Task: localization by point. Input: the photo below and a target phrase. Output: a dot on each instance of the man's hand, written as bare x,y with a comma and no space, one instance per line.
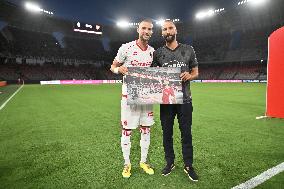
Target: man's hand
186,76
123,70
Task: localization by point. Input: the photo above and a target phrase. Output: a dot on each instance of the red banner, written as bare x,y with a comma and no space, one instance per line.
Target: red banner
275,82
3,83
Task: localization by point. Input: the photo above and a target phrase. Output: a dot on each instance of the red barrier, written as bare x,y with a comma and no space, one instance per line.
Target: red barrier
3,83
275,77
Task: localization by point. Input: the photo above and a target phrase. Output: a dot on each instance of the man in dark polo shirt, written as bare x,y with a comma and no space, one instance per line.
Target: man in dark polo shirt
175,54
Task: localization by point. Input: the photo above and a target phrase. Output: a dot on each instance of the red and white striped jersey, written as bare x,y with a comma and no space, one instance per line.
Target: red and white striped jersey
132,55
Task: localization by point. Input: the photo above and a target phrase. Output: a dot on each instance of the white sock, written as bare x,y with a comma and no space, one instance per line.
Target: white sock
126,145
144,143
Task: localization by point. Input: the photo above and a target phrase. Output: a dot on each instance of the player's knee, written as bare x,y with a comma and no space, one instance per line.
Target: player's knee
145,130
125,138
126,132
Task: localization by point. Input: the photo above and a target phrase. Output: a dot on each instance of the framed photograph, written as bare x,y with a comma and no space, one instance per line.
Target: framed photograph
154,85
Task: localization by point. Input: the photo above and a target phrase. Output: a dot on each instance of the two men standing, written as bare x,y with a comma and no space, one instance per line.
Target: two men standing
173,54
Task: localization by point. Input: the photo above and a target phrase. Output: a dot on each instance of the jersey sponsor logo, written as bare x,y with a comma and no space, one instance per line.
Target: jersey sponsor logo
174,64
140,64
134,53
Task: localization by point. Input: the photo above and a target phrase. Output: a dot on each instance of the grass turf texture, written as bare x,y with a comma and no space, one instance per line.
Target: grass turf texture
6,92
69,137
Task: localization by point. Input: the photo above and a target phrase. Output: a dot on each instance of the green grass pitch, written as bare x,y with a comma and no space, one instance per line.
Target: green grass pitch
69,137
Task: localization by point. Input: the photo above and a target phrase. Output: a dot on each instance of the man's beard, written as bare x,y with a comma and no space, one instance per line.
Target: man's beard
143,39
169,38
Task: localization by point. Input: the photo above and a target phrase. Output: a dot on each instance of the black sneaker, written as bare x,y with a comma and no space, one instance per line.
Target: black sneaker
168,169
191,173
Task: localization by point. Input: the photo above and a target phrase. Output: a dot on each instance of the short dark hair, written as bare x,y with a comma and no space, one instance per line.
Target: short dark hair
170,21
146,20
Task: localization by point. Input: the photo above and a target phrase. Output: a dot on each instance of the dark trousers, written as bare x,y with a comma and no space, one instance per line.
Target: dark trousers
184,115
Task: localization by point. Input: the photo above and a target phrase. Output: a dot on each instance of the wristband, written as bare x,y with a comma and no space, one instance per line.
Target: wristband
115,70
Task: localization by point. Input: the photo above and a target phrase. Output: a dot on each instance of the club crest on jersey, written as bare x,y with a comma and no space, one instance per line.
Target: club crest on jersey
151,54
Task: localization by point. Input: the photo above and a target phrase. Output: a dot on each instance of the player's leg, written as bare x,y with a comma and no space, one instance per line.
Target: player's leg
167,116
129,121
125,147
126,144
144,142
185,122
146,120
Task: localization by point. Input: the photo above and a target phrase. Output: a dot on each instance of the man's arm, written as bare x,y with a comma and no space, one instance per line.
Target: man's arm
117,68
193,72
120,58
155,62
186,76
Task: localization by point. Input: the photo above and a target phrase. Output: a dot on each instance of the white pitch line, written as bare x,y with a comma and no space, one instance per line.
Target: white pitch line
261,117
3,105
261,178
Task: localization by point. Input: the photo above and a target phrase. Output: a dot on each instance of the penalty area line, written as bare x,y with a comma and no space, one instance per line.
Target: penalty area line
4,104
255,181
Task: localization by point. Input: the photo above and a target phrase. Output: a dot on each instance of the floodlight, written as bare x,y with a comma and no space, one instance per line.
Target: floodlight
160,22
203,14
33,7
122,24
256,2
36,8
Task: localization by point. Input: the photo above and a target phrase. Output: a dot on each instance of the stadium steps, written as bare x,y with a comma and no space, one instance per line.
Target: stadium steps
218,74
235,75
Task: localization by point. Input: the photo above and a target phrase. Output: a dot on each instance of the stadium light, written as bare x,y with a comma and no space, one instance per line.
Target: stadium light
123,24
204,14
208,13
257,2
134,24
176,20
36,8
33,7
160,22
252,2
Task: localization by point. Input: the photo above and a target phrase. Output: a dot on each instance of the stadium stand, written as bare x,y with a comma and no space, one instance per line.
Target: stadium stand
229,46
